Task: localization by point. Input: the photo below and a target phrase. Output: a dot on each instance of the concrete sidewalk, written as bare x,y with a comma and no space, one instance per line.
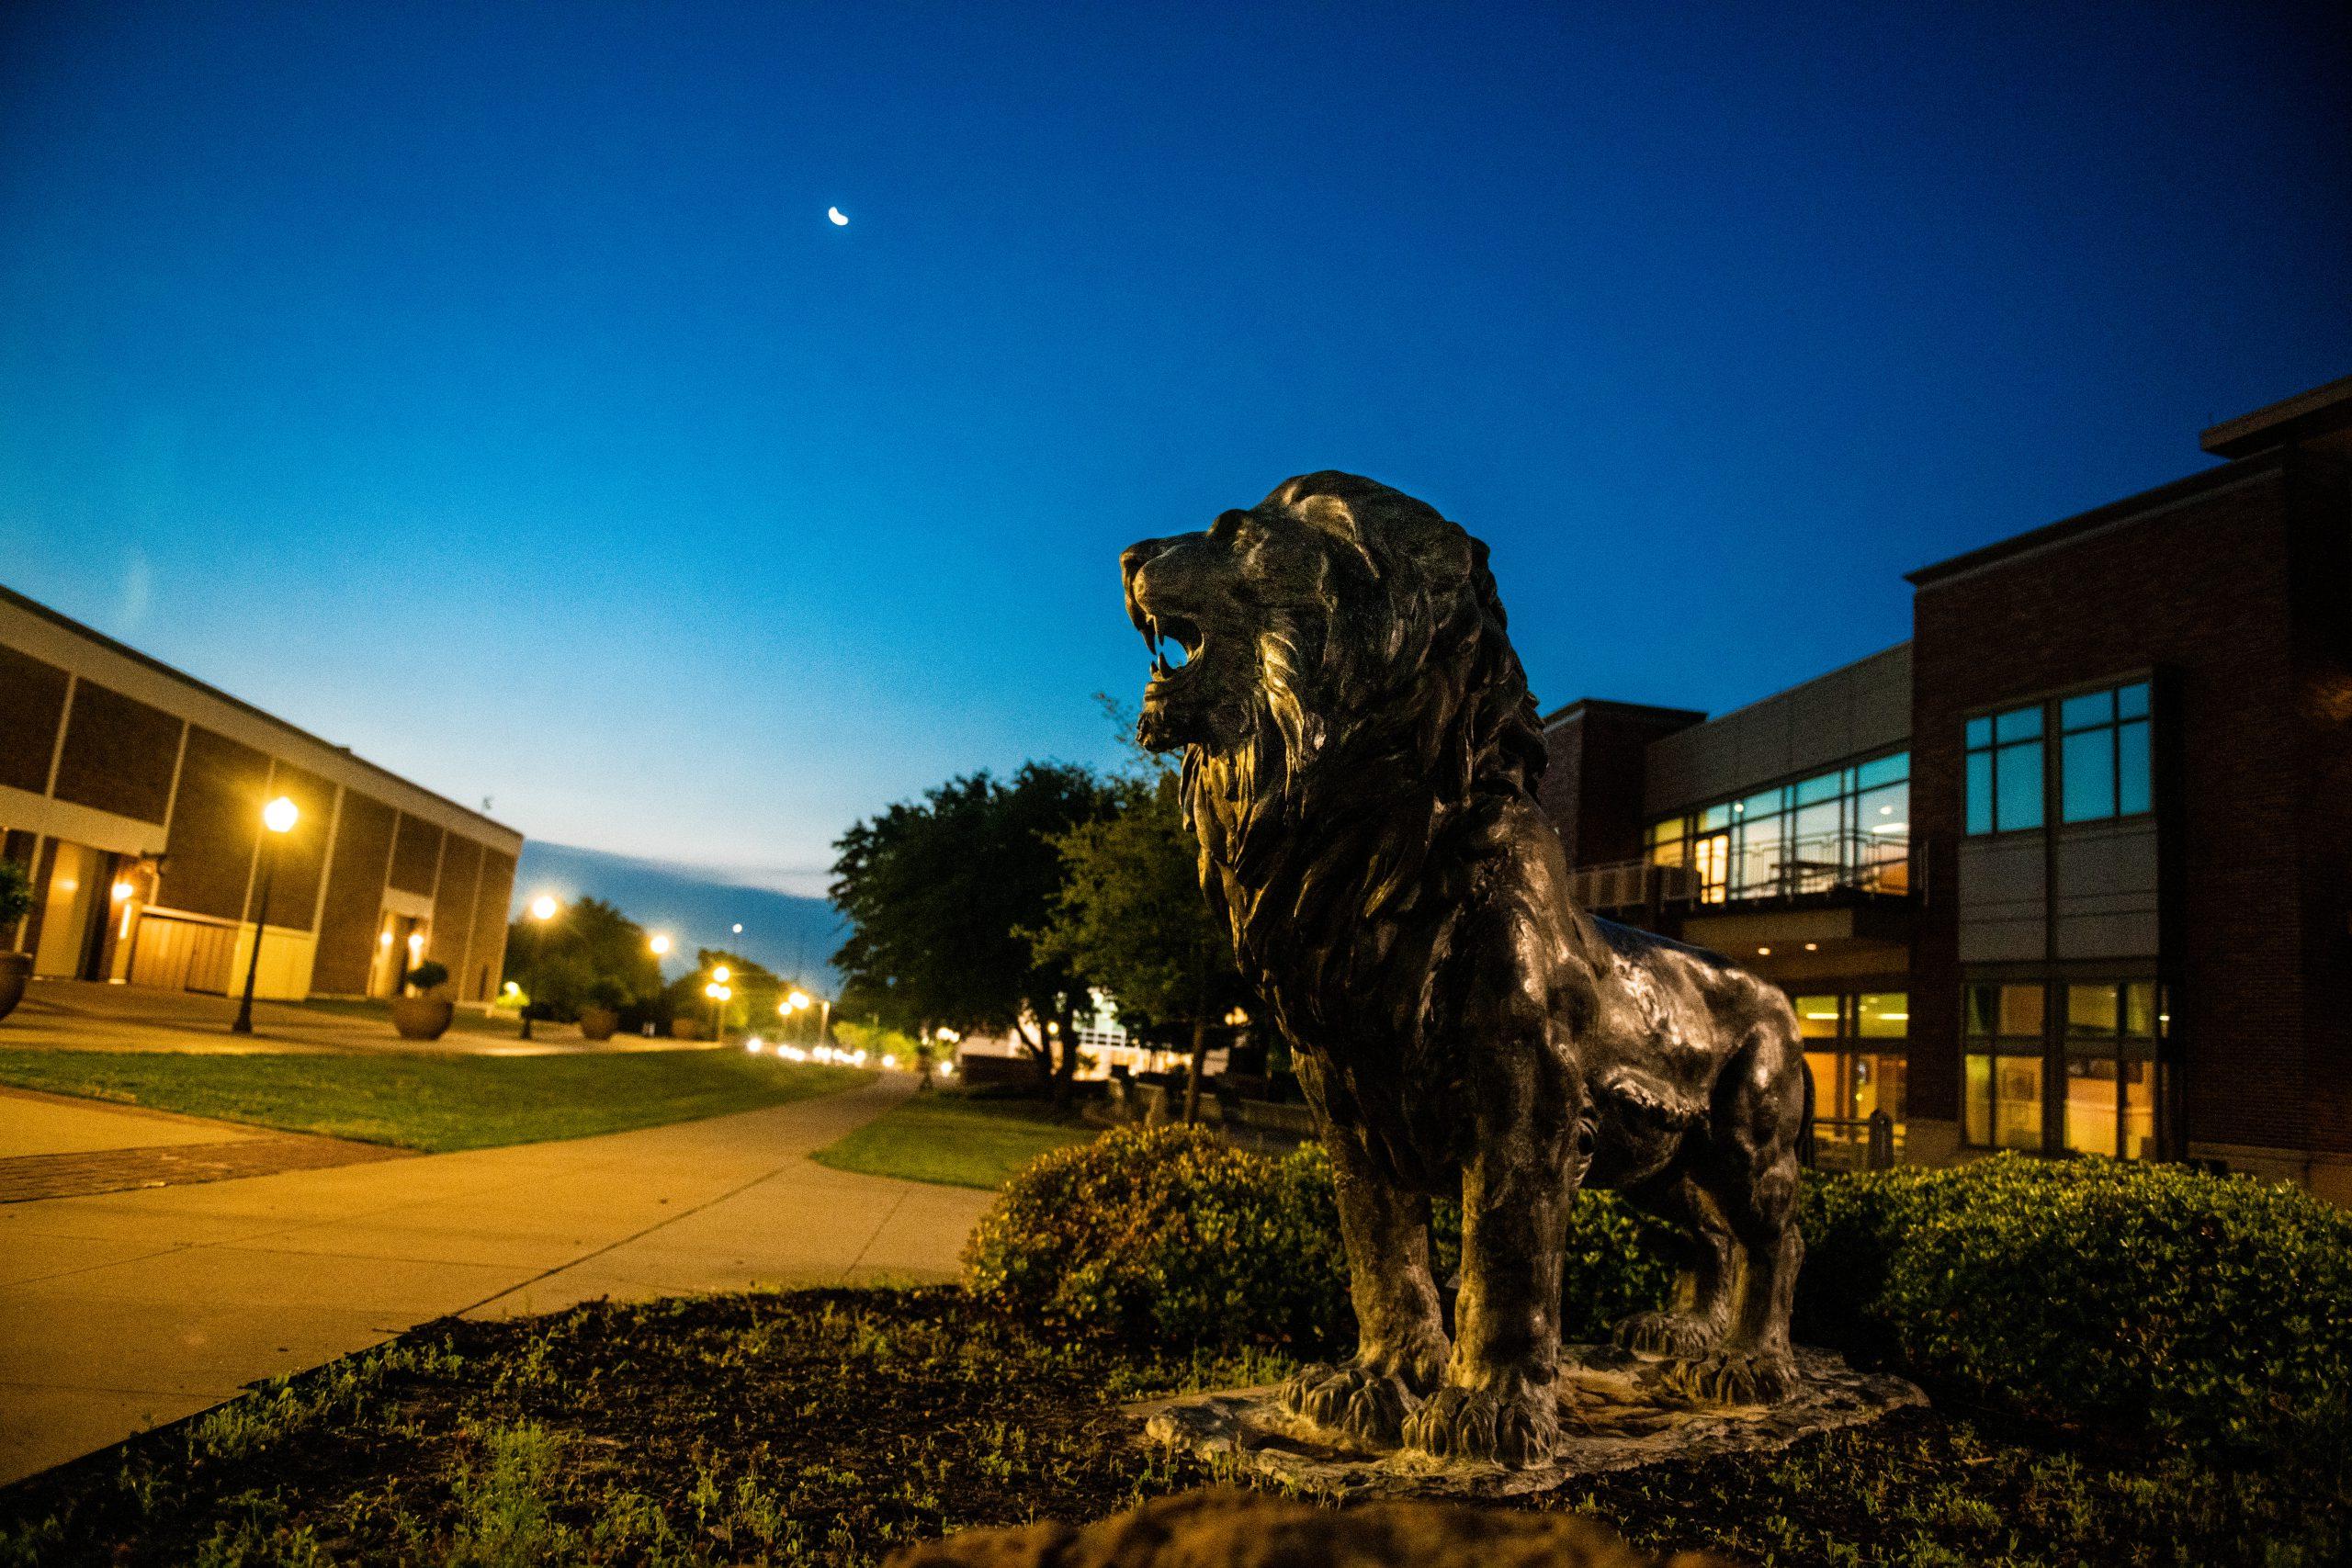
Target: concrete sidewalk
131,1309
83,1015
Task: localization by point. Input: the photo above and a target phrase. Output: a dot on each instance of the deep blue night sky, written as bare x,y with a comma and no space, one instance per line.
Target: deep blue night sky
484,388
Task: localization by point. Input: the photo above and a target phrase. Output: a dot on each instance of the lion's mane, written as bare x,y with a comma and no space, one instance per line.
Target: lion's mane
1382,716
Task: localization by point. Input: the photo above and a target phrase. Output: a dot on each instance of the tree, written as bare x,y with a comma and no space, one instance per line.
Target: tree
942,893
1130,915
753,990
590,955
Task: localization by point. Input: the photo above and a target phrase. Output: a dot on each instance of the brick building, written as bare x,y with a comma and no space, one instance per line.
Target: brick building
2070,870
133,794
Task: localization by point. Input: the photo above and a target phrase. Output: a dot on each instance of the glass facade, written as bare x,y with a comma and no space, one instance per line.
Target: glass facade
2005,771
1846,827
2103,755
1854,1047
2100,751
2064,1066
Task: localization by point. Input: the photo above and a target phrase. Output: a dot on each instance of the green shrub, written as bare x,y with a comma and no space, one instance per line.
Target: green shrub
1176,1234
16,894
2133,1297
426,975
1170,1233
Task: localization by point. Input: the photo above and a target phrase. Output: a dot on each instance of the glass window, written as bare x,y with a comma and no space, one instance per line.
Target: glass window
2091,1013
1976,1103
1763,802
2138,1082
2103,761
1816,1018
1883,1015
2005,771
2140,1009
2081,712
1714,816
2016,1102
1711,859
2018,724
2131,794
2087,771
2017,786
1827,786
2091,1105
1756,865
1891,769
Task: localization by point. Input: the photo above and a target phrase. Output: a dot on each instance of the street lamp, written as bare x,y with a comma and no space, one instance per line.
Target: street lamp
543,908
659,945
279,817
718,995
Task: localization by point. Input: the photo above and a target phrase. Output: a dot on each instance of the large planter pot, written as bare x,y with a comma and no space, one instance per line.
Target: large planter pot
685,1029
421,1018
16,968
598,1024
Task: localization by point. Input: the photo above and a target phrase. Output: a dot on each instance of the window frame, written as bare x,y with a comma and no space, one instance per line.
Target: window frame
1717,833
2056,1047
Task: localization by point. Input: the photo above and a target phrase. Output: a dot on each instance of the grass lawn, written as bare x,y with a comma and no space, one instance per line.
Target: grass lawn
433,1101
825,1426
955,1140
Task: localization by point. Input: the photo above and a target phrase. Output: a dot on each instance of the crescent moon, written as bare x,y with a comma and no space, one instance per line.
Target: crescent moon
840,220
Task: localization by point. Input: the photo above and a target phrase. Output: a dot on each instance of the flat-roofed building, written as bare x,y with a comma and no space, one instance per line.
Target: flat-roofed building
2069,872
133,794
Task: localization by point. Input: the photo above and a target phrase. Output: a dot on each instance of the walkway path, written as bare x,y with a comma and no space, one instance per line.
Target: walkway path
131,1309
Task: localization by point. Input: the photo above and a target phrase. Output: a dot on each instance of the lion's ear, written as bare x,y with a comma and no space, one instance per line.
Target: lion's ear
1334,518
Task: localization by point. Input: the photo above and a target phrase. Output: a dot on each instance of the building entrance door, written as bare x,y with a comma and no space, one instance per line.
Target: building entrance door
73,905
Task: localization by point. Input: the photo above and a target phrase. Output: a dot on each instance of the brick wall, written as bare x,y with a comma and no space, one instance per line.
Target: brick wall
118,754
32,699
348,928
214,823
2202,591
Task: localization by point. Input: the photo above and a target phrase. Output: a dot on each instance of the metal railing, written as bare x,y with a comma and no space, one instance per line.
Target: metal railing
1849,1143
1639,885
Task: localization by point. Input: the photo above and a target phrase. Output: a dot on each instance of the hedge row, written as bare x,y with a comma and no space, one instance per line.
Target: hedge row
2131,1297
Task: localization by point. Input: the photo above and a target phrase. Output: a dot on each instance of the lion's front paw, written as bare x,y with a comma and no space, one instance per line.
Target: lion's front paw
1667,1334
1735,1377
1355,1398
1516,1425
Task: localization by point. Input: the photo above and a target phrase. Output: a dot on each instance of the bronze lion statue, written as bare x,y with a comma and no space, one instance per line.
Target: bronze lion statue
1361,754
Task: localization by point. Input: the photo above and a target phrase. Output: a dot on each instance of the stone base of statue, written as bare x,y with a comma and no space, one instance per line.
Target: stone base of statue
1614,1417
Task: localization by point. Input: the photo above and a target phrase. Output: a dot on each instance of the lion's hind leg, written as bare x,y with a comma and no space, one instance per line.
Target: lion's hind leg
1699,1311
1751,1179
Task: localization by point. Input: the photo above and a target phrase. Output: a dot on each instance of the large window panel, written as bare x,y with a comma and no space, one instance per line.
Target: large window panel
2005,771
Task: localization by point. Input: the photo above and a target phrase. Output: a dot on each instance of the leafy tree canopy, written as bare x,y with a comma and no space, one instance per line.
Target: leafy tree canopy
942,893
590,955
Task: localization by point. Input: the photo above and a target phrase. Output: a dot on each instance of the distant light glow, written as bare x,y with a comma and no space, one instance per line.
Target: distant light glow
659,943
722,973
738,927
123,890
280,815
544,907
841,219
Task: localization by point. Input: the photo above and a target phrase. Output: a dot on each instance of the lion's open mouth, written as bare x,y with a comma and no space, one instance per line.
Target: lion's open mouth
1160,630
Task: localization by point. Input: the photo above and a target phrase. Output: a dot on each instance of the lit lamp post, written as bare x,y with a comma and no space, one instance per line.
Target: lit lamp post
279,817
718,992
543,908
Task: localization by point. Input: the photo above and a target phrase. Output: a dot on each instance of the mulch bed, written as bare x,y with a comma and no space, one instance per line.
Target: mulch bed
828,1426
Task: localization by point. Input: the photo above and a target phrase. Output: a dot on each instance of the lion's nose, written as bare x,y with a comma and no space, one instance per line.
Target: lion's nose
1132,559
